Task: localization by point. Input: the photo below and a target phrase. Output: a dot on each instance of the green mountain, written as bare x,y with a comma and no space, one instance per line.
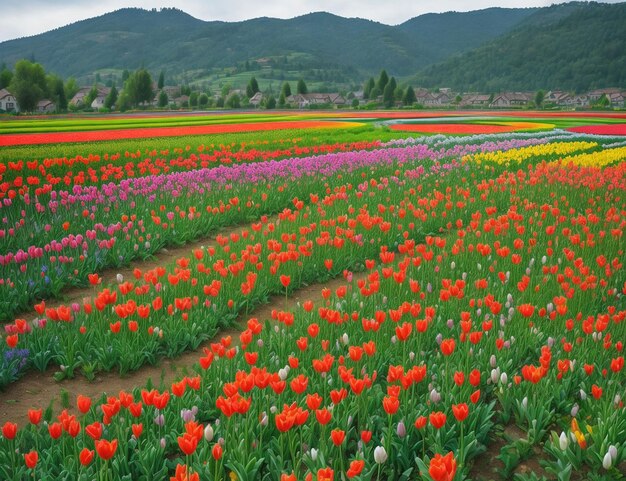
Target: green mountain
347,49
577,46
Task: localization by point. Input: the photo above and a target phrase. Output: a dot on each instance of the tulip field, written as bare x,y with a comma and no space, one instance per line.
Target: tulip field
471,284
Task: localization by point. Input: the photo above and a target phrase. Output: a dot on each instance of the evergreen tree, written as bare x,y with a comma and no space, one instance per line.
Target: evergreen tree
388,95
252,87
203,100
271,102
163,100
281,100
110,100
367,88
539,96
90,97
56,92
383,79
161,82
409,96
301,88
193,99
286,90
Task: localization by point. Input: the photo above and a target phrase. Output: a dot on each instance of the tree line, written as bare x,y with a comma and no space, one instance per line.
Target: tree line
30,83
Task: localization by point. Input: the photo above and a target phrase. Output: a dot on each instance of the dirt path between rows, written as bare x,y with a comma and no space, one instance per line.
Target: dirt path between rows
38,390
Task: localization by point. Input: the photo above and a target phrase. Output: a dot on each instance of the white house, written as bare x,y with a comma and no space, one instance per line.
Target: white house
8,103
98,102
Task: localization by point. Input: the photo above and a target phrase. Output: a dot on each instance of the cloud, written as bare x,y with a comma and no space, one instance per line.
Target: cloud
21,18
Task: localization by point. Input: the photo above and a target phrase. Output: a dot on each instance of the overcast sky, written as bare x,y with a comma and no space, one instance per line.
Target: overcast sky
21,18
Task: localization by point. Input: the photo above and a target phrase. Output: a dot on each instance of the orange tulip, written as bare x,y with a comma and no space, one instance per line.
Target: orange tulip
442,468
356,467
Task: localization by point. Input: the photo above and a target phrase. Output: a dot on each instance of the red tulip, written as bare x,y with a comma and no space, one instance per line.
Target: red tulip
460,411
337,436
526,310
285,280
31,459
437,419
447,346
9,430
86,456
391,404
187,443
34,416
442,468
83,403
217,452
105,449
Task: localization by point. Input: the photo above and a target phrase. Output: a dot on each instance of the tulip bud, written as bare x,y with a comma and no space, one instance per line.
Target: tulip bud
493,361
208,433
345,339
563,441
314,454
525,402
574,411
380,455
503,378
162,443
607,462
120,278
583,395
401,429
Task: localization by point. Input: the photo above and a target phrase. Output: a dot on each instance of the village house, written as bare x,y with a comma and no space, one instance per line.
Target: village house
512,99
305,100
428,99
595,95
98,102
617,99
475,100
256,99
79,98
8,103
45,106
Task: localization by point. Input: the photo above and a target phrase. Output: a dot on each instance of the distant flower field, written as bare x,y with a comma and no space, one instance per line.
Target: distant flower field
468,285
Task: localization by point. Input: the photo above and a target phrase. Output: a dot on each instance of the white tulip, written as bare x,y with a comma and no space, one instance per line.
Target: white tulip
380,455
